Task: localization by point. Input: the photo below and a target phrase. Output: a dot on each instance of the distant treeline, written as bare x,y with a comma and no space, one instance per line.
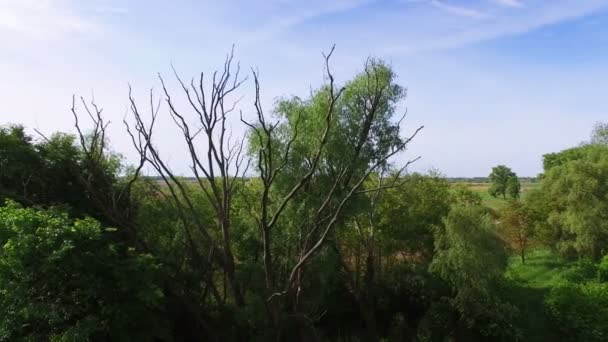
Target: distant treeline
449,179
486,179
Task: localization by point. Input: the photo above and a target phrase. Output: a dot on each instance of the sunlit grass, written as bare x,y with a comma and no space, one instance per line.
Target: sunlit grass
543,269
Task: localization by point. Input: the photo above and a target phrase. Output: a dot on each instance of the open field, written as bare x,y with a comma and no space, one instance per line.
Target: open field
493,202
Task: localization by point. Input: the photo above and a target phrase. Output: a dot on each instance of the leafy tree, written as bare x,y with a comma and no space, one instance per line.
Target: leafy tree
56,171
575,190
337,141
471,259
516,227
395,229
64,280
20,166
600,133
504,182
513,187
551,160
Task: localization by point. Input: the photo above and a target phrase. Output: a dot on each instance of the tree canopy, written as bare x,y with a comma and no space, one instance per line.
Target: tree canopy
504,182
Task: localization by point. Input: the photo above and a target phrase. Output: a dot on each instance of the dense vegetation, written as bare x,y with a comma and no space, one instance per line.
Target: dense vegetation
304,229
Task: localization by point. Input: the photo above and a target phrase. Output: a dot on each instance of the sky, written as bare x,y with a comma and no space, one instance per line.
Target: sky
493,81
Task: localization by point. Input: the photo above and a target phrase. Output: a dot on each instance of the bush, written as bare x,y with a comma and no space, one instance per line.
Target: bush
581,310
602,269
64,280
582,271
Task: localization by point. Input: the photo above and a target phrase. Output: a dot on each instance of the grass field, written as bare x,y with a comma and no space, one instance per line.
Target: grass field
492,202
542,271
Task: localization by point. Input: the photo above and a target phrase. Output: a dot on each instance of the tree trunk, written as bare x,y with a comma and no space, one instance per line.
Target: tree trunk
369,318
268,270
366,298
229,266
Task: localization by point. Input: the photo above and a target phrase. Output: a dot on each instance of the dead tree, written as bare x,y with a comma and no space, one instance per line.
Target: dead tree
110,196
217,166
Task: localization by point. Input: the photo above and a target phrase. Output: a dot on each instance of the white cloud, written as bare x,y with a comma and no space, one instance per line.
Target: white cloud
459,10
509,3
41,19
111,10
273,17
503,23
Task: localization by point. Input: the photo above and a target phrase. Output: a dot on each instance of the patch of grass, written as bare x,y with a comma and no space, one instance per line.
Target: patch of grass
530,283
543,269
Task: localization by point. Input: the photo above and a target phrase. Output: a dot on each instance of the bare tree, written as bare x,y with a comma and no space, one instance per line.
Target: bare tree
112,199
216,169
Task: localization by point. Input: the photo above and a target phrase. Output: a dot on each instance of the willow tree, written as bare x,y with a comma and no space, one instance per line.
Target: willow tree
314,160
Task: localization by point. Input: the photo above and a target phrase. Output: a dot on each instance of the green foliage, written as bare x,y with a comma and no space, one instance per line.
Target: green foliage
582,270
581,311
51,172
551,160
19,163
408,215
576,210
602,269
422,260
514,226
468,252
471,258
465,196
513,187
600,133
64,280
504,182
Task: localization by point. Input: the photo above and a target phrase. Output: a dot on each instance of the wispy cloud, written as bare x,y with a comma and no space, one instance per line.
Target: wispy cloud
111,10
459,10
509,3
504,23
41,19
275,17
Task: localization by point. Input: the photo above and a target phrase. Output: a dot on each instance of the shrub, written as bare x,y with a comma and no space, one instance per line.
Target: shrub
581,310
64,280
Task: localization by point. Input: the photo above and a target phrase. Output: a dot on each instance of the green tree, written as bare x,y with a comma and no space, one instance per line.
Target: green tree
575,192
471,259
513,187
64,280
600,133
515,226
329,145
504,182
20,166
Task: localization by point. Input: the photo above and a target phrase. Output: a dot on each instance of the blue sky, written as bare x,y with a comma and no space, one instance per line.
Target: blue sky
493,81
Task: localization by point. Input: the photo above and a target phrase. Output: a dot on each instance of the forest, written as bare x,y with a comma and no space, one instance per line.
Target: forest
308,227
